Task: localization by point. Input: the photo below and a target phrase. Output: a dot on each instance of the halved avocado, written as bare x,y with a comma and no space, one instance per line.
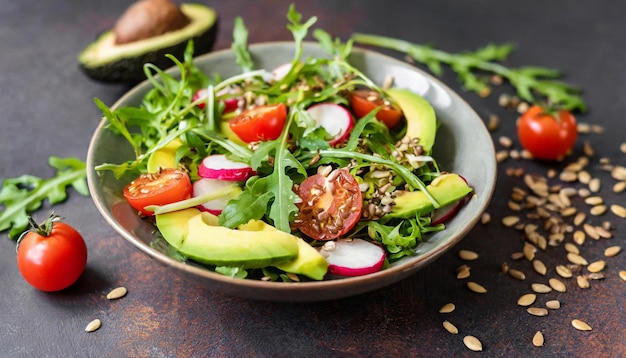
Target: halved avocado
107,61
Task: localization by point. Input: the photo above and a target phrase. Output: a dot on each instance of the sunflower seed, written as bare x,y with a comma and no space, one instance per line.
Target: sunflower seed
537,311
450,327
612,251
618,210
473,343
527,299
509,221
564,271
582,282
584,177
579,218
594,200
447,308
622,275
116,293
538,339
553,304
596,266
557,285
598,210
576,259
463,272
529,251
580,325
569,247
540,288
579,237
594,185
475,287
618,172
93,325
505,142
517,255
568,176
619,186
467,255
485,218
516,274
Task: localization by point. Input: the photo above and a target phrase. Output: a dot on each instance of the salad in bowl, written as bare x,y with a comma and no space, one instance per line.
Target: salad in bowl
295,164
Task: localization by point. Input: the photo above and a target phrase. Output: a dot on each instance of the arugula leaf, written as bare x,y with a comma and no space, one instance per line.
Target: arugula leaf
240,45
533,84
298,29
22,195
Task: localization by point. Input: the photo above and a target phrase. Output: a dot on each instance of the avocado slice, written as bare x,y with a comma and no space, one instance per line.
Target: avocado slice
108,61
165,157
421,121
196,235
446,189
309,262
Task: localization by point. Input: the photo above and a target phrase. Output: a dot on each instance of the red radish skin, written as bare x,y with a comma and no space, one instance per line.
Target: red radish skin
281,71
204,186
444,214
354,257
337,120
217,166
230,104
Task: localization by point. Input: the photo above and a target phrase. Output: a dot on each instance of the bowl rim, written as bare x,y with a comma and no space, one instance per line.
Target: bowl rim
299,290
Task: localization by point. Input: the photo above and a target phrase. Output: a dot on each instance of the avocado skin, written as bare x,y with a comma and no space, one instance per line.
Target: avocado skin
130,70
446,189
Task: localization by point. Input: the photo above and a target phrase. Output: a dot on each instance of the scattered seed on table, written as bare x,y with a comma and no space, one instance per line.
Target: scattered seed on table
463,272
538,339
116,293
579,237
622,275
576,259
450,327
595,185
622,147
475,287
540,288
553,304
517,274
540,267
591,231
569,247
467,255
564,271
618,172
510,221
557,285
582,282
619,186
485,218
473,343
596,266
529,251
527,299
537,311
612,251
447,308
93,325
517,255
598,210
618,210
580,325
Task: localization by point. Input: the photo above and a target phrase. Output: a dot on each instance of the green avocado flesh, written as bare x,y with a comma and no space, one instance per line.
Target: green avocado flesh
103,60
419,114
446,189
196,235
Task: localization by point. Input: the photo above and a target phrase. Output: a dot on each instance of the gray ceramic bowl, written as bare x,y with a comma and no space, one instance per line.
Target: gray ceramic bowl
463,146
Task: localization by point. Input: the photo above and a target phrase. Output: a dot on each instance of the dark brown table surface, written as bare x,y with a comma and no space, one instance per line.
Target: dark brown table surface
46,108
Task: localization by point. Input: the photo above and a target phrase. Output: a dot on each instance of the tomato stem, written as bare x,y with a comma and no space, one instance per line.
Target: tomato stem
44,229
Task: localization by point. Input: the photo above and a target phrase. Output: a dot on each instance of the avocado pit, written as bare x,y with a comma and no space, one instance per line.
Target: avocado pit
149,18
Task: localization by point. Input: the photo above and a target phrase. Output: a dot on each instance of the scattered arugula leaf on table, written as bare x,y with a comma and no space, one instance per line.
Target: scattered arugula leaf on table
536,85
21,196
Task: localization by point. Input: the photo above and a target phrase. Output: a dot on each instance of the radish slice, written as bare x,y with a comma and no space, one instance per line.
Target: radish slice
205,186
337,120
217,166
354,257
445,213
281,71
230,104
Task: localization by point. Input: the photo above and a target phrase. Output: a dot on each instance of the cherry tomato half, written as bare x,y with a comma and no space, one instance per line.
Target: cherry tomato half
544,135
363,101
51,256
331,205
164,187
260,124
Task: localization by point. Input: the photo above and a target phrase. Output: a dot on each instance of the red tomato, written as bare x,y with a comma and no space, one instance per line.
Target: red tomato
363,101
330,206
544,135
51,256
165,187
261,123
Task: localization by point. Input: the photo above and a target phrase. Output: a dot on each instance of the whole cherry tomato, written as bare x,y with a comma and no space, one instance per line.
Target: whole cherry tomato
261,123
363,101
51,256
165,187
547,135
331,205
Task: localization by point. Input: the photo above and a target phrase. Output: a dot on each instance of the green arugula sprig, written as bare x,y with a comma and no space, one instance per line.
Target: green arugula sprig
23,195
536,85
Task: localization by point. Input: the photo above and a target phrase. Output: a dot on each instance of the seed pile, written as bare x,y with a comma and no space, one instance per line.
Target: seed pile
554,215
